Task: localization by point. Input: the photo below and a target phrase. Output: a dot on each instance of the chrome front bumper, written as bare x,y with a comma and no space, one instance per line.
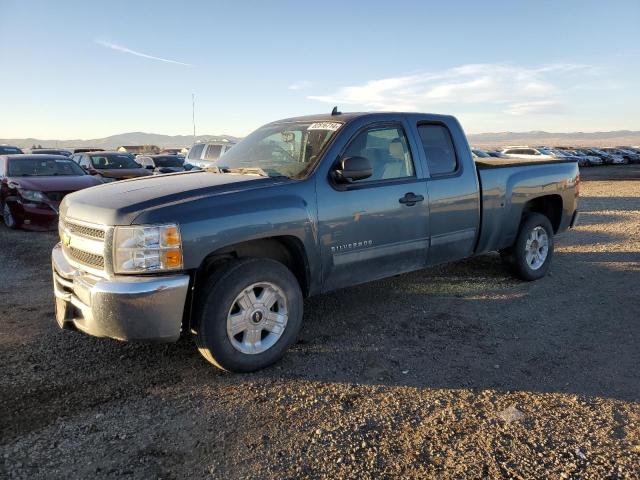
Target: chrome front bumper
122,307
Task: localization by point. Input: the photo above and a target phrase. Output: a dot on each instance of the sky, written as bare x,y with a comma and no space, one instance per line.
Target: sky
88,69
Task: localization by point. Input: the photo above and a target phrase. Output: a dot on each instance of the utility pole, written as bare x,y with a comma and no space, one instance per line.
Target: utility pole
193,115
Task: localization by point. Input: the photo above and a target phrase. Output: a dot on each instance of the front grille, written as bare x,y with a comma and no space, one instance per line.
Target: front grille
55,196
86,258
84,231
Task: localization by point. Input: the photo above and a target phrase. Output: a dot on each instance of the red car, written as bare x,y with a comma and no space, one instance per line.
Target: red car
32,186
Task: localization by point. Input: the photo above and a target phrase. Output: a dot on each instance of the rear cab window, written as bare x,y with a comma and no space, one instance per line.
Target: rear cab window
438,148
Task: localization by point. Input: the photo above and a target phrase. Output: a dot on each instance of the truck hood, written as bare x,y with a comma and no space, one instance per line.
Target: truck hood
119,203
61,183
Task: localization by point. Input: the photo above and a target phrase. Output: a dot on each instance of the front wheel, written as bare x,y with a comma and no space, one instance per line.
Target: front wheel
530,256
7,217
251,313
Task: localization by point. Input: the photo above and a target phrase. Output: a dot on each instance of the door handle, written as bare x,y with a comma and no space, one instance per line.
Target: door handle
411,199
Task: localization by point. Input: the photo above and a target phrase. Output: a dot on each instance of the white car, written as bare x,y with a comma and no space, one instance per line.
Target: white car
526,152
206,154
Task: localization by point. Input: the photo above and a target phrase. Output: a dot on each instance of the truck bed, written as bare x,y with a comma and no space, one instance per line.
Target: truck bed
506,187
485,163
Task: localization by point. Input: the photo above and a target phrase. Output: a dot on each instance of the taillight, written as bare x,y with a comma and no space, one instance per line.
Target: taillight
578,185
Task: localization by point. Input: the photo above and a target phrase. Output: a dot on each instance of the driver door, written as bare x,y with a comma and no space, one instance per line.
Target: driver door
379,226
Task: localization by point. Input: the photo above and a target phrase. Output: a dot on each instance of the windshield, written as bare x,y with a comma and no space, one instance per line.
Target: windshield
115,161
9,150
286,149
30,167
168,161
545,151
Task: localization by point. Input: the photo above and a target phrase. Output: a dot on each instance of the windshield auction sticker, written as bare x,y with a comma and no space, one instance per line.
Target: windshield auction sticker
333,126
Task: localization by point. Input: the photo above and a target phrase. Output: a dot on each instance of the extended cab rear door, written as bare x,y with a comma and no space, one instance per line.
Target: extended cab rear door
452,186
379,226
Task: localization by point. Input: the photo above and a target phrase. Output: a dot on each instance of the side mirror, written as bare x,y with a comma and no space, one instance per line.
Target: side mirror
351,169
149,167
187,166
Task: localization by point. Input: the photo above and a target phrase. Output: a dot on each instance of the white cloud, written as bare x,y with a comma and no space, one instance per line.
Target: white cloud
120,48
300,85
541,106
520,89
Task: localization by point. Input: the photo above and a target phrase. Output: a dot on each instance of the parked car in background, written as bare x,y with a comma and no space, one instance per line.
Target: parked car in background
111,165
562,155
206,154
526,152
86,149
50,151
9,150
163,163
496,154
591,159
628,156
607,157
32,187
173,151
477,153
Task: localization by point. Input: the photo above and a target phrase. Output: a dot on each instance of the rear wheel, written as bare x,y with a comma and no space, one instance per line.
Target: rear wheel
530,257
250,315
7,217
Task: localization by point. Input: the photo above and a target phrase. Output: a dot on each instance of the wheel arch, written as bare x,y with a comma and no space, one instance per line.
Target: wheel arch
286,249
551,206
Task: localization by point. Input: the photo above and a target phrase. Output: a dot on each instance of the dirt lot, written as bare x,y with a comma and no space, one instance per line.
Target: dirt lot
458,372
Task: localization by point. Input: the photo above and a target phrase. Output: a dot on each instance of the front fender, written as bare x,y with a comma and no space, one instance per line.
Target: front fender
213,223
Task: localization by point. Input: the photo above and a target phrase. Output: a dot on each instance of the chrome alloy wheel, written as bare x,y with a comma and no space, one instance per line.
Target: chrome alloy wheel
537,248
257,318
7,216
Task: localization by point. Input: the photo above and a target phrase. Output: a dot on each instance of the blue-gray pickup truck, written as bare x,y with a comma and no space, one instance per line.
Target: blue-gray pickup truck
300,207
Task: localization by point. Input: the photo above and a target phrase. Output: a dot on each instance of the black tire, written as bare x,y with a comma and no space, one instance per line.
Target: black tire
219,295
518,253
7,217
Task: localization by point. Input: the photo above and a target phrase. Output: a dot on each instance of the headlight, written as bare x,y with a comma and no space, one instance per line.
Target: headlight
33,195
147,248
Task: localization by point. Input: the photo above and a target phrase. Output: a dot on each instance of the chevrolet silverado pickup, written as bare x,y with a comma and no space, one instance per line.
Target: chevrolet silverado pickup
299,207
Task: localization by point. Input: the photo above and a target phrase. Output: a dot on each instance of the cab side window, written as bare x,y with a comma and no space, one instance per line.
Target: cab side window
388,151
438,149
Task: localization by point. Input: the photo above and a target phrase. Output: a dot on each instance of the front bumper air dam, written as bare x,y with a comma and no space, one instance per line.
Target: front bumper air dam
121,307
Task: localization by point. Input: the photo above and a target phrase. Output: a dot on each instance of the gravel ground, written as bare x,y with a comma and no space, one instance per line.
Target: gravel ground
455,372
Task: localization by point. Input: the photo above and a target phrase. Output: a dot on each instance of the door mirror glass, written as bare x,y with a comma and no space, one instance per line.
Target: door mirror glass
352,169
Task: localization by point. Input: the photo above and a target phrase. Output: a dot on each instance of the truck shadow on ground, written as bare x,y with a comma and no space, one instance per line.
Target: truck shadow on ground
502,335
601,204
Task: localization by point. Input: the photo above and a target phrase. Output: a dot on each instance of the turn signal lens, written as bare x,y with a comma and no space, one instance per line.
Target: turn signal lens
172,258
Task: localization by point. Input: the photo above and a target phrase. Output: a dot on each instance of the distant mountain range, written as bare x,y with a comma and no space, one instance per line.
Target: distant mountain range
114,141
595,139
618,137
